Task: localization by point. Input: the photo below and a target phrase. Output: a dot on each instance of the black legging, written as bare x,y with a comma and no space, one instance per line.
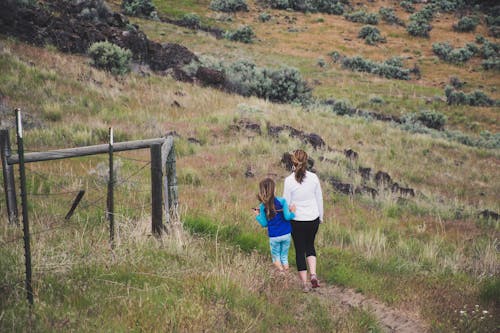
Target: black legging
303,235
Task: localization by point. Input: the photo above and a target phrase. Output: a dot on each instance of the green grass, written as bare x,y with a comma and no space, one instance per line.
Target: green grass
218,280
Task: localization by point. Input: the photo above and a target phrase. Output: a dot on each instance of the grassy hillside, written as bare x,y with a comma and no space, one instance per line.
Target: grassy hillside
429,255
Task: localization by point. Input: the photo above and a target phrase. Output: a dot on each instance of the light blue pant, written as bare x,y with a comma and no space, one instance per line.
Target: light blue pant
279,248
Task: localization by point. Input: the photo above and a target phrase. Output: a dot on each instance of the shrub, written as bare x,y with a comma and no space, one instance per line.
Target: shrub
283,85
342,107
143,8
362,17
244,77
388,15
490,50
491,63
493,23
407,6
328,6
456,83
425,14
446,52
371,35
280,4
447,5
466,24
419,28
243,34
392,72
431,119
335,56
476,98
110,57
228,5
191,20
335,7
377,100
265,17
480,39
390,69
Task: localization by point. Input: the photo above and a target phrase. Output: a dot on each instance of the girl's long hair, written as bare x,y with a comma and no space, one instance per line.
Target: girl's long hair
266,196
299,160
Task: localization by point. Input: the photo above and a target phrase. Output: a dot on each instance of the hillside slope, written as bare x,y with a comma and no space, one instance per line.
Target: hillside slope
430,254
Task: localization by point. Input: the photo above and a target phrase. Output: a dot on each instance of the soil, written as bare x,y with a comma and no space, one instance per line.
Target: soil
390,319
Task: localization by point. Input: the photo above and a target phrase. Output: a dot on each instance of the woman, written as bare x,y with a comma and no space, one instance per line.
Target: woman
303,189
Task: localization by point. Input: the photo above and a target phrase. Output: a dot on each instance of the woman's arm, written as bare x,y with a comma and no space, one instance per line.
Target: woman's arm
287,213
287,193
319,199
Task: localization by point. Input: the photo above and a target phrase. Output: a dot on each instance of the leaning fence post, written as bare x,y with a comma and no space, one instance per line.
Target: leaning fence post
24,201
156,190
8,177
173,194
110,202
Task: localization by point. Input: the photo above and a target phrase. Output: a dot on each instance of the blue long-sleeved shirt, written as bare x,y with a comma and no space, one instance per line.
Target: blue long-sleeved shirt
279,225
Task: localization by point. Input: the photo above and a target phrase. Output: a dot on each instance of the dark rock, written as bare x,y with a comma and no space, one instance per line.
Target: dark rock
488,214
194,140
61,23
181,75
314,140
164,56
344,188
383,179
249,125
351,154
403,191
365,173
366,189
210,77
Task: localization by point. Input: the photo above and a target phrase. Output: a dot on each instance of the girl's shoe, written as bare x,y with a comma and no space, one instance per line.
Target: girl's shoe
305,288
314,281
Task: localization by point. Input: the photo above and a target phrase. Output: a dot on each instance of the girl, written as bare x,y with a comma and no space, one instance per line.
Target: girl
273,213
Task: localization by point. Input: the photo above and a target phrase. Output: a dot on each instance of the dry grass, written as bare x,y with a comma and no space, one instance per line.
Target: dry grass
428,238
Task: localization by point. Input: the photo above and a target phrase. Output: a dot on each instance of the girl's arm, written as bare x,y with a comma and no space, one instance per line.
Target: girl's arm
261,217
287,213
287,194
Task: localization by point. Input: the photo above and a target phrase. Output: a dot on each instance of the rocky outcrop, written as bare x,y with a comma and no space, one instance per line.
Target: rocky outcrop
72,26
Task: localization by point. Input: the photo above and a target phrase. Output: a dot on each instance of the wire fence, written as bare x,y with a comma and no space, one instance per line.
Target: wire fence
49,192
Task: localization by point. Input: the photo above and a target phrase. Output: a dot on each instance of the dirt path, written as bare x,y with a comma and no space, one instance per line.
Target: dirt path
391,320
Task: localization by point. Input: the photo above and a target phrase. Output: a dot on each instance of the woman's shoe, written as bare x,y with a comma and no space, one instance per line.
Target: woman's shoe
314,281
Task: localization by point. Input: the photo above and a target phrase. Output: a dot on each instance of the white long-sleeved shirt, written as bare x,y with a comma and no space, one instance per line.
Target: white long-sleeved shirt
307,197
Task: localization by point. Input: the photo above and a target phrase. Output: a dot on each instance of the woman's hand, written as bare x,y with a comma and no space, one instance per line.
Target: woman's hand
292,208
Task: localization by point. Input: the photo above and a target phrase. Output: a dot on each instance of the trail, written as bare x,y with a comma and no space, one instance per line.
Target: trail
390,319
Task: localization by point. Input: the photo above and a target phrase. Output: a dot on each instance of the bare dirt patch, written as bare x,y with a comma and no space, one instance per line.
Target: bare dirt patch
390,319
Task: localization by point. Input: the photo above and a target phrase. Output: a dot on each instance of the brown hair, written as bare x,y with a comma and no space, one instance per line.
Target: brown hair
266,196
299,160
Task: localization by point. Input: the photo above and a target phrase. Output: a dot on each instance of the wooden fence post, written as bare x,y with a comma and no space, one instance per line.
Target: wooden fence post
111,182
24,201
8,177
156,190
173,194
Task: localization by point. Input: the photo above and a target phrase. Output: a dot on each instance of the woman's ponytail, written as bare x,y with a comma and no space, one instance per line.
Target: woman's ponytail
299,160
